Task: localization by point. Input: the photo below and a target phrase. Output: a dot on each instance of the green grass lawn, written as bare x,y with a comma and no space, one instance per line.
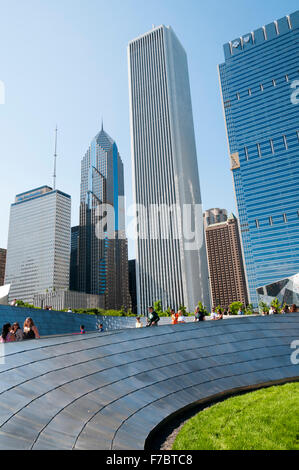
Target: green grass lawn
267,419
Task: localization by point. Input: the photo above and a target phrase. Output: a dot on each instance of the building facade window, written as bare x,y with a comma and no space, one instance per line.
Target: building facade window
272,146
246,153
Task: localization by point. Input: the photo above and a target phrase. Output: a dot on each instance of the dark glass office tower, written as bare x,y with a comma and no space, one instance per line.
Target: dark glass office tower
74,258
2,265
132,285
103,256
259,80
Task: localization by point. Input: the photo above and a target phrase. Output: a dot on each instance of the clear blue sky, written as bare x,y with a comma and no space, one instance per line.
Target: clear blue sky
65,62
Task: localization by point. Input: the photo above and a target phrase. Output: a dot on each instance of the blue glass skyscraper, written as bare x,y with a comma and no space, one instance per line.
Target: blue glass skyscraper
103,260
258,81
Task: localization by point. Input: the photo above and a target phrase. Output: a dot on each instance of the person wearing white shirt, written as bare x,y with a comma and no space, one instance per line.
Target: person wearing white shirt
181,318
214,315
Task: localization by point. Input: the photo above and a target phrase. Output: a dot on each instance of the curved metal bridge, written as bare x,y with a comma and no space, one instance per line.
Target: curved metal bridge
109,391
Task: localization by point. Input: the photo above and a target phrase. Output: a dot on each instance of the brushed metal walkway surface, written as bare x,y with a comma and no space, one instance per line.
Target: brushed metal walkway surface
108,391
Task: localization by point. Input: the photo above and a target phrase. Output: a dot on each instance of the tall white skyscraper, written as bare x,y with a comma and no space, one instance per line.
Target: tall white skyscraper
39,238
171,255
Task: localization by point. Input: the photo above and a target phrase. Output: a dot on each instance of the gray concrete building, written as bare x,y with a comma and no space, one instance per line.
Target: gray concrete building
65,299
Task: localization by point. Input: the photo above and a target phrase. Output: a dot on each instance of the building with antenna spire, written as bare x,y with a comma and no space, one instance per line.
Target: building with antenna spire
55,159
103,251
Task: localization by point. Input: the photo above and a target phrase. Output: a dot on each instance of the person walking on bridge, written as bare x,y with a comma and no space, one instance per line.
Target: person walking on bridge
153,318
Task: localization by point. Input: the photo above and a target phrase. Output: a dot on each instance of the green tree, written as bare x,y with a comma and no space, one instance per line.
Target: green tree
167,312
249,310
263,307
183,310
276,304
202,309
20,303
123,312
234,307
158,307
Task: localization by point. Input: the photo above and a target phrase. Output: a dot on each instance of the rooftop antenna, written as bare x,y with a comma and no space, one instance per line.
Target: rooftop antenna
102,123
55,158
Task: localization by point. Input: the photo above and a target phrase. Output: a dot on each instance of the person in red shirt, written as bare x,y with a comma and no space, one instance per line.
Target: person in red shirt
174,317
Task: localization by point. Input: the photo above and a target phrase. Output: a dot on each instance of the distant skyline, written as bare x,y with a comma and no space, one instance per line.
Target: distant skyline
64,62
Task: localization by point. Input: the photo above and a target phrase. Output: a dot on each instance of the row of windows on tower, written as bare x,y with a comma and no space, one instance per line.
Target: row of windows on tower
271,221
272,147
262,86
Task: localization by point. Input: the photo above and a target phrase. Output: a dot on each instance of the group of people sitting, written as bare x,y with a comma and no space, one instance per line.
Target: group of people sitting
217,315
177,317
153,317
11,333
285,309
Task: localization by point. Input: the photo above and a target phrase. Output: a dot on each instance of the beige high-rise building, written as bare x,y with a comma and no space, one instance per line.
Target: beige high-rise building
227,276
214,216
39,239
2,265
